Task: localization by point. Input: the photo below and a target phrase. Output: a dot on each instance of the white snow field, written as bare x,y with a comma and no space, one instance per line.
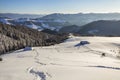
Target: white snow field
65,61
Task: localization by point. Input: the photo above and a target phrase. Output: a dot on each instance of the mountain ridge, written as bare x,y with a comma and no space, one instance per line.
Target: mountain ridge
101,28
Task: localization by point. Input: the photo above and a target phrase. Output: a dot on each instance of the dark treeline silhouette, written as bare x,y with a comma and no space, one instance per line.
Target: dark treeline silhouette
17,37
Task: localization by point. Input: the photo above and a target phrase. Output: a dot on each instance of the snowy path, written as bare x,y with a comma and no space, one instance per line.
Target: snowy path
65,62
38,75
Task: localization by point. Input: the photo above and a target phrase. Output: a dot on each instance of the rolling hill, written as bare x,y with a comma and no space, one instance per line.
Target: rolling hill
101,28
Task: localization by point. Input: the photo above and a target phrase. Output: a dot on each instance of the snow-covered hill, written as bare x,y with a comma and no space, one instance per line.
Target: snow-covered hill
5,20
39,24
65,61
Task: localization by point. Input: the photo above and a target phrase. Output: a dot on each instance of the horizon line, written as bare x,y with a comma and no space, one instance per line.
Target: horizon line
61,13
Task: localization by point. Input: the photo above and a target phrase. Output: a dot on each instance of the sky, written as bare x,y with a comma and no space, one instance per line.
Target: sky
59,6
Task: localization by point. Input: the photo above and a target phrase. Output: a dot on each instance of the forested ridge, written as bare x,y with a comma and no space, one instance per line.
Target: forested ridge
17,37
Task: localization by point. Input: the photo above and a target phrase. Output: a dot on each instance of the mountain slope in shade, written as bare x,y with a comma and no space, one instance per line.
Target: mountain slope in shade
102,28
69,29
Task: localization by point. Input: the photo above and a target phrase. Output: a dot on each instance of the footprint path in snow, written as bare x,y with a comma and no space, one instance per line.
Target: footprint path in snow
42,75
39,75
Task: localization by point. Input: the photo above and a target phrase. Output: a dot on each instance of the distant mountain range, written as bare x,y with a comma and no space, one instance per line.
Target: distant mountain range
74,19
38,23
89,23
15,16
82,19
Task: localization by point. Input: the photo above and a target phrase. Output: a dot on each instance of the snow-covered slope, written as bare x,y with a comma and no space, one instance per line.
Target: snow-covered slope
32,25
22,20
39,24
5,21
65,61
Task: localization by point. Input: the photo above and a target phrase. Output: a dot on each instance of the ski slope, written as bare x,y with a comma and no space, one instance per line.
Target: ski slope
65,61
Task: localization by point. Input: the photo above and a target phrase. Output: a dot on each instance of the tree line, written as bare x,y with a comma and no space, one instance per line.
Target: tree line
17,37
